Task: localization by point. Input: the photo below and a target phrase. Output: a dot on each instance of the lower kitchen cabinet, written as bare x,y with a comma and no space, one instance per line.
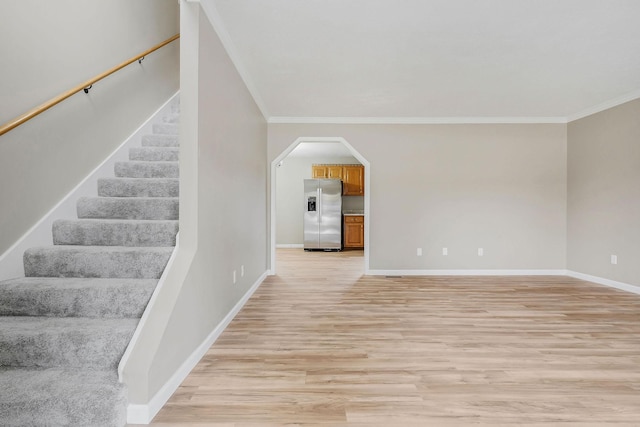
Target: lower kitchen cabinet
354,231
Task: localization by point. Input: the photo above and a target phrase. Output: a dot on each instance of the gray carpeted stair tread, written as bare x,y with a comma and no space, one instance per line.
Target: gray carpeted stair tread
149,208
96,261
63,341
166,128
138,187
171,118
141,169
104,232
57,397
160,140
75,297
154,154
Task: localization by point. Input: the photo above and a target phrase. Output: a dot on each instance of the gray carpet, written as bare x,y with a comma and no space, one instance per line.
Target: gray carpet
128,208
65,326
154,154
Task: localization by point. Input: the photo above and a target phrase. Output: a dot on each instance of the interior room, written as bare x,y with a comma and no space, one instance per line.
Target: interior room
375,212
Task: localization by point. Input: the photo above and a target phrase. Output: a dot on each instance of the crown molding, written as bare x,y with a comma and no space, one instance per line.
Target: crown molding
415,120
604,106
216,21
631,96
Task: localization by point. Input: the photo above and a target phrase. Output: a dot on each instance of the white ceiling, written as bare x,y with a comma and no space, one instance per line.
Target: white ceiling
404,60
320,149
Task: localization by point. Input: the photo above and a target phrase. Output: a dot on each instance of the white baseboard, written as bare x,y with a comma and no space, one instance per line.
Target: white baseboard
138,414
143,414
289,245
607,282
11,264
599,280
467,272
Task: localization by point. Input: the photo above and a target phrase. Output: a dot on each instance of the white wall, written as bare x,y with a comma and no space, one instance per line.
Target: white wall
50,47
604,194
290,195
223,224
499,187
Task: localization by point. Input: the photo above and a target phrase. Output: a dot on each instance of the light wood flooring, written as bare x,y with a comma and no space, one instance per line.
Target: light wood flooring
321,344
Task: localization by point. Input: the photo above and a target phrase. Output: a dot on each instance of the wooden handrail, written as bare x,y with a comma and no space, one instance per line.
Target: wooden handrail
53,101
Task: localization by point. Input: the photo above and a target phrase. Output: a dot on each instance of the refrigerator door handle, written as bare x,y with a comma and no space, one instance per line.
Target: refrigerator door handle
319,205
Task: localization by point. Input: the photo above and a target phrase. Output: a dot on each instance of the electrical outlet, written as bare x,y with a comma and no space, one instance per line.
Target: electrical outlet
445,251
234,277
480,252
614,259
419,252
242,271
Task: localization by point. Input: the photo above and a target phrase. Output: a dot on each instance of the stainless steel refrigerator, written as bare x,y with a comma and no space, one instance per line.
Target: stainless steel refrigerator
322,214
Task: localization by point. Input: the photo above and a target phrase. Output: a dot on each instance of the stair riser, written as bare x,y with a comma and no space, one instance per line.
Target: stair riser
133,187
114,233
132,208
108,301
154,154
65,261
59,347
147,170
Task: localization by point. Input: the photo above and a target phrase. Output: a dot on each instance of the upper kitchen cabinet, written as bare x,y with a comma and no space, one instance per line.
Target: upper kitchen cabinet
335,171
352,177
319,171
353,180
326,171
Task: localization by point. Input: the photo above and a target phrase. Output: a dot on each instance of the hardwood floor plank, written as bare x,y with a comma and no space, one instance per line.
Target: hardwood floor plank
323,345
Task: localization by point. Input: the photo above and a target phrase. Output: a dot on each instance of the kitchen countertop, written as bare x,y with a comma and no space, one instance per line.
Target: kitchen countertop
353,213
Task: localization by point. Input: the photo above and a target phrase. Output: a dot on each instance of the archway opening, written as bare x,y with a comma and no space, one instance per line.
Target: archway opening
316,143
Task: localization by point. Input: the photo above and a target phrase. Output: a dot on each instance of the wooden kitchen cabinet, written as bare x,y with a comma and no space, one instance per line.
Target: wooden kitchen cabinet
318,171
335,171
353,180
352,177
326,171
354,231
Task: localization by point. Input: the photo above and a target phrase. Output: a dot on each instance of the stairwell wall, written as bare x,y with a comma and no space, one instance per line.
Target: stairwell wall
55,46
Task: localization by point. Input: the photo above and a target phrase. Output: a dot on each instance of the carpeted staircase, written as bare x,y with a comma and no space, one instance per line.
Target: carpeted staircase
65,326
